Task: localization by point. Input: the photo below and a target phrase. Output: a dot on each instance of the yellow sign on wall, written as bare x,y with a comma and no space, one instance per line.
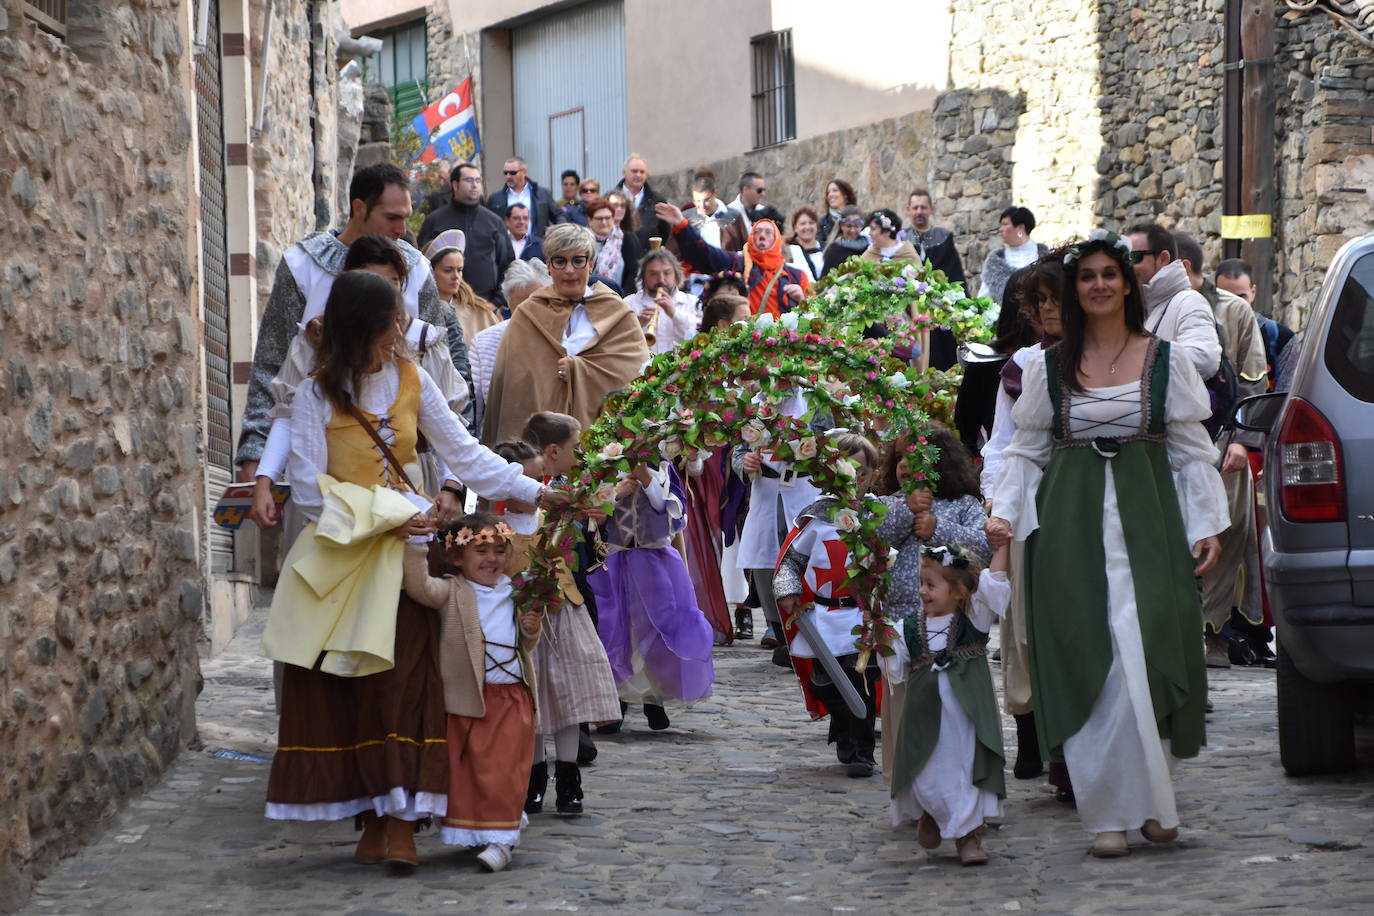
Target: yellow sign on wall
1249,226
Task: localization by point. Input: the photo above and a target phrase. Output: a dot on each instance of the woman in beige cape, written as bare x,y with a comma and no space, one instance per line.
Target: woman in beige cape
568,346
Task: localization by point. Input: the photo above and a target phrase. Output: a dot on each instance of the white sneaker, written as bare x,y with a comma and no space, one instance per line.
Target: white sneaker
495,857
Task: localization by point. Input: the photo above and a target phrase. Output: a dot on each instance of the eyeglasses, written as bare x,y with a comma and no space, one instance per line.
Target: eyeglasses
605,216
576,262
1138,256
589,190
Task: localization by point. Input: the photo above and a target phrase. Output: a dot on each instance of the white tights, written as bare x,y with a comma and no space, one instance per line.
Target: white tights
564,745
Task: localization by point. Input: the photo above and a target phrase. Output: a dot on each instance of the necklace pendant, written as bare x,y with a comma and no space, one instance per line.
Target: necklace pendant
1113,371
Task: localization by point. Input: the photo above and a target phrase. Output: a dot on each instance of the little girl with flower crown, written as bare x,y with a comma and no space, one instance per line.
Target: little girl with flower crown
947,774
484,647
811,579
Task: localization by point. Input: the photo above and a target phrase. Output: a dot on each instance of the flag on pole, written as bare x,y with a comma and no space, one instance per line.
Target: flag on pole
448,128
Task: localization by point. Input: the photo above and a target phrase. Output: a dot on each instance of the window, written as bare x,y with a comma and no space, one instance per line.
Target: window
51,15
403,67
1350,342
775,102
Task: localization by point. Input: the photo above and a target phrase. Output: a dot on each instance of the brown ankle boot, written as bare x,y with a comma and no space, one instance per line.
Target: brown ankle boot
970,848
400,842
372,844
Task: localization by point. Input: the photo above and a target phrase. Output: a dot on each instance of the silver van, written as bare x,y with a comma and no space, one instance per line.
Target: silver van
1318,542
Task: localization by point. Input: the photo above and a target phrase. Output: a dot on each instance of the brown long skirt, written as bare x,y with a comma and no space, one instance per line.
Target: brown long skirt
352,744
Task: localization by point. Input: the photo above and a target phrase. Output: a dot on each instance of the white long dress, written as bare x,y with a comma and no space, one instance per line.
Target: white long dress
1120,766
944,788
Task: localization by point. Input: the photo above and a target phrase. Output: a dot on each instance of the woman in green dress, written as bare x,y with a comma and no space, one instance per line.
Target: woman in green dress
1111,481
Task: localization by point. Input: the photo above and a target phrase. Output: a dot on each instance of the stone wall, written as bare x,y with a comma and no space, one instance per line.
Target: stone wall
884,161
100,482
1041,122
283,151
1325,158
1120,120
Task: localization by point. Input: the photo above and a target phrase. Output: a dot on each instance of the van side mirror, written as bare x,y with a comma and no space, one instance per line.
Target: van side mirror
1260,412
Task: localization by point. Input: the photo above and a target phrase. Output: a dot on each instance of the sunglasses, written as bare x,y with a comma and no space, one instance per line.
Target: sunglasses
511,172
1138,256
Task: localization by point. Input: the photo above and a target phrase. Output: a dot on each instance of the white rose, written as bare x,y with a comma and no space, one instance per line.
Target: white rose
847,520
670,448
764,321
611,452
898,380
844,468
789,320
805,448
754,434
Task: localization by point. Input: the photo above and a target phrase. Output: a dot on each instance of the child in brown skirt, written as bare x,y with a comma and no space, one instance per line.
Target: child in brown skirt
488,685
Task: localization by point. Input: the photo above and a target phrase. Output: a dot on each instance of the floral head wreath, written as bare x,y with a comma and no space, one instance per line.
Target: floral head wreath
882,219
1100,240
948,556
465,536
726,275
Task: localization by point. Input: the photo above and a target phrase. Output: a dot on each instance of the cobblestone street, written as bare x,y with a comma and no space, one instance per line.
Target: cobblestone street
739,807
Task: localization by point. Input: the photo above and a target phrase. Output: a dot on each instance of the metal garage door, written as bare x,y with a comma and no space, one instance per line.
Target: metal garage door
569,77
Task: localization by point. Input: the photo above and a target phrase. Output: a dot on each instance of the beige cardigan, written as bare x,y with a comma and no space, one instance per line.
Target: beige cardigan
462,660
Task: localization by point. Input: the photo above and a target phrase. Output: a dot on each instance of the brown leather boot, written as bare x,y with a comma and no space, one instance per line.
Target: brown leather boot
400,842
927,832
372,844
970,848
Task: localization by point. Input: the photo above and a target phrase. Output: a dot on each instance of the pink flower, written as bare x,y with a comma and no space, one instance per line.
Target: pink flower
695,354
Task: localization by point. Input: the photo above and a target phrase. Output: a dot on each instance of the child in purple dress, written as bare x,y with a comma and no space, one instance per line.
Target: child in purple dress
656,637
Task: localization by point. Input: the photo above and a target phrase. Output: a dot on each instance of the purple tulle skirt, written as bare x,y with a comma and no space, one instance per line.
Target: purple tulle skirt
649,621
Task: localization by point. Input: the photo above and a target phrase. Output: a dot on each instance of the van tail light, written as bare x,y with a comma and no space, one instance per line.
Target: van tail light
1310,485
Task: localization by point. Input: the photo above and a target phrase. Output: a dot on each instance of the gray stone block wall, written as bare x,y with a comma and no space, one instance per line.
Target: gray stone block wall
884,161
100,480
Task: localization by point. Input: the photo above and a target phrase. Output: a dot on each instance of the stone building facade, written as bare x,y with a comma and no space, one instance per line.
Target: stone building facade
102,591
150,181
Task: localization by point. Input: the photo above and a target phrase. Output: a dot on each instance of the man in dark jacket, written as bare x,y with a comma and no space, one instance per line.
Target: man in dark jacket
489,251
936,245
527,245
520,190
635,184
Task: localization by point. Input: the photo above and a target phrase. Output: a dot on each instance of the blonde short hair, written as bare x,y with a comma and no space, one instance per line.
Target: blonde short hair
569,240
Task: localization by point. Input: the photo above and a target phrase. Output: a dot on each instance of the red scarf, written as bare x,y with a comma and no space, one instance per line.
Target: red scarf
770,261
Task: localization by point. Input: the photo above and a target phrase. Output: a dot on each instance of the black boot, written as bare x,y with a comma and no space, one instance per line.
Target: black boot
657,716
586,749
539,784
567,782
1028,762
744,623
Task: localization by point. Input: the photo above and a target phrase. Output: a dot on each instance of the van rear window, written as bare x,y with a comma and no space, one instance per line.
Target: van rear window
1350,344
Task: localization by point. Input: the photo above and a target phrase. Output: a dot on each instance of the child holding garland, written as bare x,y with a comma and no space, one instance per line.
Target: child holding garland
484,660
656,637
575,683
948,771
812,570
950,512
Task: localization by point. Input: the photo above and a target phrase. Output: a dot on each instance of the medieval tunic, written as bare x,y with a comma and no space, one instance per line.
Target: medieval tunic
1110,487
656,637
814,567
599,334
949,761
347,745
489,697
